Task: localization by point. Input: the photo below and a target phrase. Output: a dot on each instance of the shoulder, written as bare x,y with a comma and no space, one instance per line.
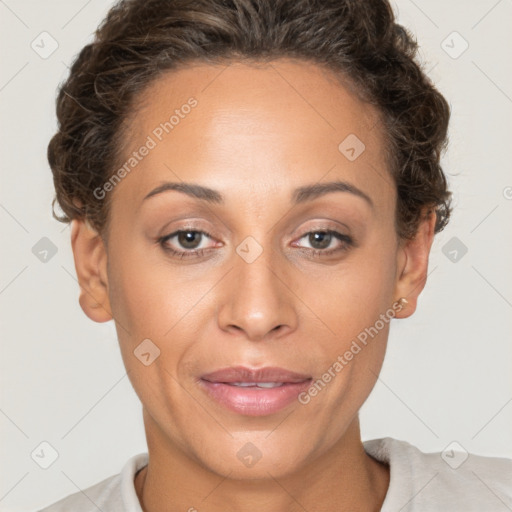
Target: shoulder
115,493
450,480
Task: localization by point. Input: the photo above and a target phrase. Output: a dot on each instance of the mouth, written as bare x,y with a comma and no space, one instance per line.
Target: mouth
263,385
258,392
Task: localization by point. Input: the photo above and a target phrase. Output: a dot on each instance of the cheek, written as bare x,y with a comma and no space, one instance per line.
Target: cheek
132,296
146,294
138,309
355,302
352,295
145,307
154,300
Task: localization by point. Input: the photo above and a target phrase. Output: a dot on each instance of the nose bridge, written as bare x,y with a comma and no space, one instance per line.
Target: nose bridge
257,300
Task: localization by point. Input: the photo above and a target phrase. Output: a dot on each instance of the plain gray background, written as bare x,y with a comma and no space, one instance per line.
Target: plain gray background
447,373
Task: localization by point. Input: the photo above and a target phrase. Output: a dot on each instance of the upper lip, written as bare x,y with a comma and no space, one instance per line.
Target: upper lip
243,374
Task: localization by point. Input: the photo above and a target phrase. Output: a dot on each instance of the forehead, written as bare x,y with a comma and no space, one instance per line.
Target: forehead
238,95
284,122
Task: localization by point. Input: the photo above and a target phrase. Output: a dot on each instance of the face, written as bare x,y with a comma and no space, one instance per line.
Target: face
246,237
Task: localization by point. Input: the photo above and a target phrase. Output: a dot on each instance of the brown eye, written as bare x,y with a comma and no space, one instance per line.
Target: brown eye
320,239
186,243
189,239
325,242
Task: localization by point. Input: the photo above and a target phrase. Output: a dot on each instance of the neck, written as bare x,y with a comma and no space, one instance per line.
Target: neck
344,478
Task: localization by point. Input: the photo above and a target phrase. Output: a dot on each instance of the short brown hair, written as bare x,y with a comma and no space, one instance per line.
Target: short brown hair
356,39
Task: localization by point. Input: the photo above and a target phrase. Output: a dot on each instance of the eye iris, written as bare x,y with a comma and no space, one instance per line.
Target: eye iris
320,236
185,238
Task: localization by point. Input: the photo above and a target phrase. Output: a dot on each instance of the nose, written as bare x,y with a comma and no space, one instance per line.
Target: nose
257,299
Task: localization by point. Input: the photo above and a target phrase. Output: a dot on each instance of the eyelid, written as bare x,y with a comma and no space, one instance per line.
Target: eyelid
343,242
323,225
176,232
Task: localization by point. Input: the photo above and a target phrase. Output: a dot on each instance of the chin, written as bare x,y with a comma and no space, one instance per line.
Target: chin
253,460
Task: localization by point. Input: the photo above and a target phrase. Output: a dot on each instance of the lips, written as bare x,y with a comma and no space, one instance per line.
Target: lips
254,392
242,374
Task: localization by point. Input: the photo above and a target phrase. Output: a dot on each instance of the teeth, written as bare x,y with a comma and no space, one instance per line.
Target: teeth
256,384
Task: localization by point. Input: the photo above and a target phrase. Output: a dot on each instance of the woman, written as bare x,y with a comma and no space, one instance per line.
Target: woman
254,188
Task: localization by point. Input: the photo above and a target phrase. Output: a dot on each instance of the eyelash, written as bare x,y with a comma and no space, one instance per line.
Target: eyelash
183,254
346,240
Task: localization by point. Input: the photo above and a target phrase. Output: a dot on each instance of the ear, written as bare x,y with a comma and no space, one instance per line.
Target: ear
412,265
91,268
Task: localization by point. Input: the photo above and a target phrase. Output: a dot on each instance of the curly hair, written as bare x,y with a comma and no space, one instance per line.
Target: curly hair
358,40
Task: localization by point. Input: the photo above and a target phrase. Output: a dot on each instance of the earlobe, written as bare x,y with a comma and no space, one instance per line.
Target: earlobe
412,266
91,268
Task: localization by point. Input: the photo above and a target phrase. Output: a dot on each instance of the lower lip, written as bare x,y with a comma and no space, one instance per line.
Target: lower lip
254,401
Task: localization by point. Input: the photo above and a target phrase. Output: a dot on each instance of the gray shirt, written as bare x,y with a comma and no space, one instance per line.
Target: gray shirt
419,482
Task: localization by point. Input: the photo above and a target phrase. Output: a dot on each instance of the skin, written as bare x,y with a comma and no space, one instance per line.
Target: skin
253,138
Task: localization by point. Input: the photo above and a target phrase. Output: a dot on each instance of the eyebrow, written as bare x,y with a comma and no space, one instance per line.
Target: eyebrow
299,195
